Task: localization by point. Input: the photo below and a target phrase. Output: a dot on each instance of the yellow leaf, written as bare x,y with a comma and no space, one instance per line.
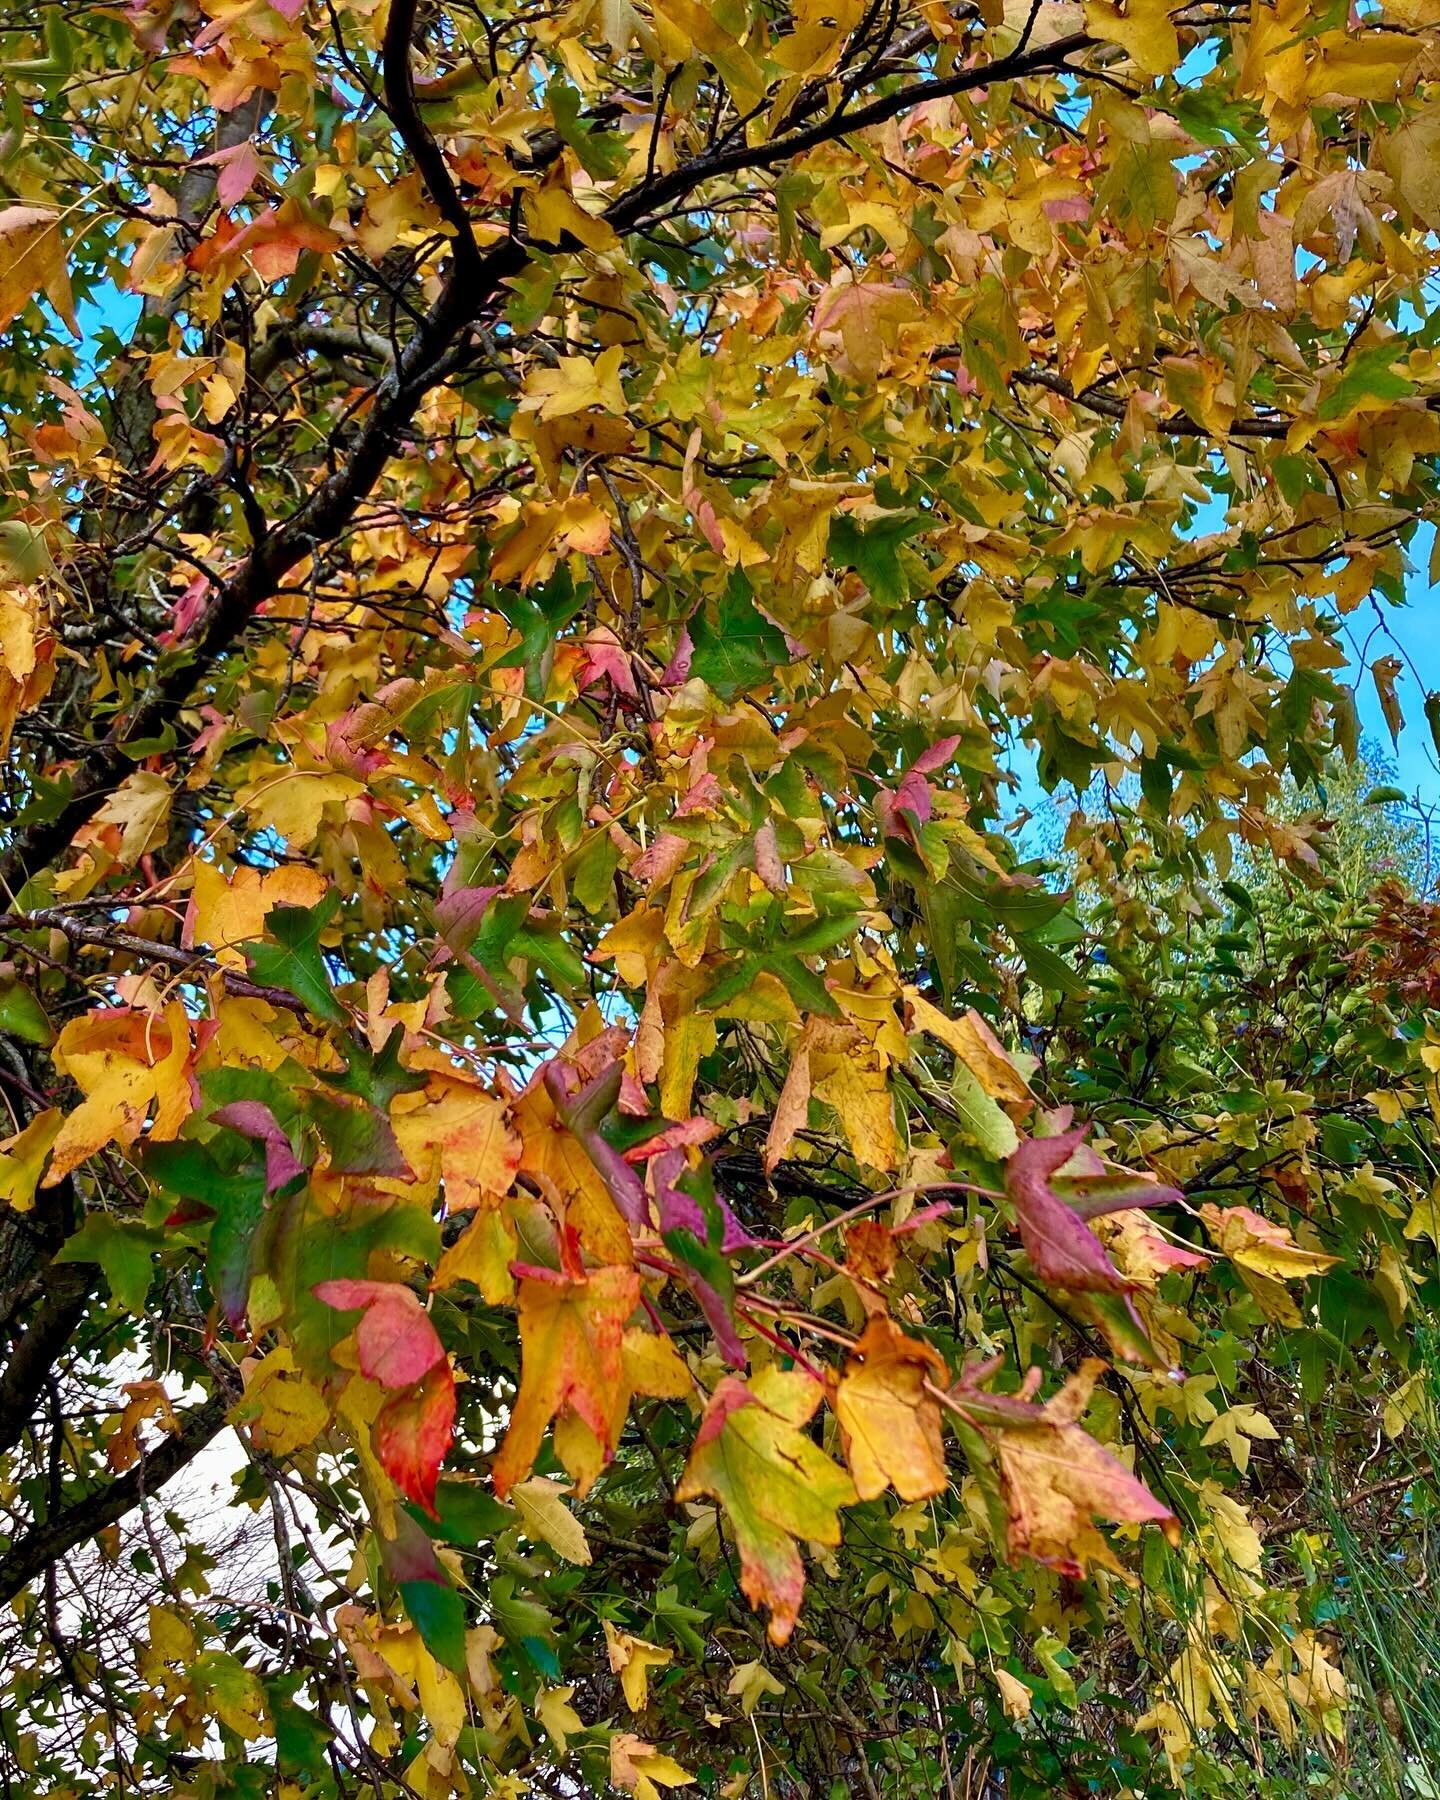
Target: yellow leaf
559,1718
140,808
293,801
1255,1243
482,1255
1394,1281
750,1683
633,944
654,1367
285,1411
632,1659
32,261
1142,29
1412,156
1015,1697
977,1047
171,1638
575,383
553,213
891,1425
121,1061
1235,1429
227,910
442,1699
22,1158
545,1519
464,1135
640,1769
859,1092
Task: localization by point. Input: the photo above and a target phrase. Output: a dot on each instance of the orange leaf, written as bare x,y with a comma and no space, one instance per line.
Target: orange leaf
571,1338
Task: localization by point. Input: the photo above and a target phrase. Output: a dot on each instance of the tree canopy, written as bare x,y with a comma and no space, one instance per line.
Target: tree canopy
579,1210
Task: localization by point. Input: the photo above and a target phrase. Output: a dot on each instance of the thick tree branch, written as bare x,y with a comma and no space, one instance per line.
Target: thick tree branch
35,1355
399,79
32,1554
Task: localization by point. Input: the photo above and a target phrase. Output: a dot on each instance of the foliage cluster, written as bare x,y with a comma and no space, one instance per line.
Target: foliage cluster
576,1214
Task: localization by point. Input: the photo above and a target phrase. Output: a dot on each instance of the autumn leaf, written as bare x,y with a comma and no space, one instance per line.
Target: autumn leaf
1256,1243
1062,1248
639,1768
412,1435
632,1659
571,1337
33,254
23,1158
557,1716
285,1411
1056,1480
774,1483
124,1062
395,1340
545,1519
891,1424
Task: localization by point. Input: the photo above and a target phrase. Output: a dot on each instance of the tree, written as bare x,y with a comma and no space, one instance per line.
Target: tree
531,539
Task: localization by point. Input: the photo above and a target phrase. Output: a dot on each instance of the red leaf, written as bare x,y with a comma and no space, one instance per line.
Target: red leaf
395,1340
412,1434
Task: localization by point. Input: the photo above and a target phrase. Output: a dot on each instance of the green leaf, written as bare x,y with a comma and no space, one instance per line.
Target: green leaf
539,617
982,1118
873,551
302,1739
21,1014
466,1514
439,1615
123,1249
1369,376
294,961
740,647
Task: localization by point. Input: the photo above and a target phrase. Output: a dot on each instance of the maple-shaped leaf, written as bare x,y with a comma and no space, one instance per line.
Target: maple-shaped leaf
359,1138
294,961
1258,1244
412,1433
891,1425
632,1659
1063,1250
222,1178
639,1768
395,1340
774,1482
571,1336
23,1158
122,1061
32,251
1056,1481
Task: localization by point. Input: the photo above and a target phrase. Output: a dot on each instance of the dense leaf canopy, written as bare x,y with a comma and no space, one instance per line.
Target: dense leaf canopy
581,1207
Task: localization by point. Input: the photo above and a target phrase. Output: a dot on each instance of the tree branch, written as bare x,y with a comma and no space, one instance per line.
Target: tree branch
34,1357
399,80
31,1555
107,937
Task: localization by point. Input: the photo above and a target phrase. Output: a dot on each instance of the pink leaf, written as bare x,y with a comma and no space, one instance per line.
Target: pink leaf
396,1341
